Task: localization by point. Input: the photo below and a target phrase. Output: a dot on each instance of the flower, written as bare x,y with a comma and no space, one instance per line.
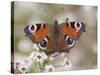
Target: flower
49,68
52,57
44,56
35,47
20,68
38,56
67,63
63,54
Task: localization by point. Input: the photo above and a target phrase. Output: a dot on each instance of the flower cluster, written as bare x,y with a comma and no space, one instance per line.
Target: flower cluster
38,57
42,60
67,63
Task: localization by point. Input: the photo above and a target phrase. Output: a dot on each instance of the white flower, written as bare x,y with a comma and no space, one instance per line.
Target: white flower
38,56
63,54
28,61
52,57
35,47
44,56
49,68
55,54
20,67
67,63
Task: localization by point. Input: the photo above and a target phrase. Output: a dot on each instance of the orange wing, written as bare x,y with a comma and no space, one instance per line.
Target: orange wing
73,29
41,33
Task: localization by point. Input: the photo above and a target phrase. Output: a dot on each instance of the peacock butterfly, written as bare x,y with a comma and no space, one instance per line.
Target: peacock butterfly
56,38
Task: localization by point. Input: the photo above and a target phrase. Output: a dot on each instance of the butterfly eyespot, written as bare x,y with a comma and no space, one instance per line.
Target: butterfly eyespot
32,28
78,26
70,42
43,44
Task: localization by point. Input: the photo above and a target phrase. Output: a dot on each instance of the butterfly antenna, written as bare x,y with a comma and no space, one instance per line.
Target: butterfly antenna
60,14
47,13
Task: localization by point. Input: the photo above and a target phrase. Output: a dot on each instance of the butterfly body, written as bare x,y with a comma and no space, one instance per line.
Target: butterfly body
57,37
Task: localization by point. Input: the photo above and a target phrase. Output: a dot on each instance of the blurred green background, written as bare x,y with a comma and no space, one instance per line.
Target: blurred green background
83,55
